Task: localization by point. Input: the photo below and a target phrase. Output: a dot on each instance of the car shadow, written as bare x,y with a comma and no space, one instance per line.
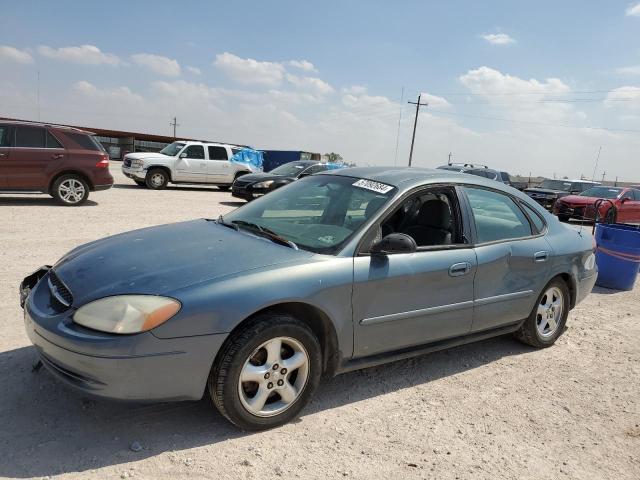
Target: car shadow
233,204
49,429
37,200
195,188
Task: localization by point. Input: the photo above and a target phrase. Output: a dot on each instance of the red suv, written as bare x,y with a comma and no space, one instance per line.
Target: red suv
65,162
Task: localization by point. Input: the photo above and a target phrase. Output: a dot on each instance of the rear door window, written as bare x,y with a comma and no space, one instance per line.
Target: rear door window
30,137
497,216
217,153
537,221
636,195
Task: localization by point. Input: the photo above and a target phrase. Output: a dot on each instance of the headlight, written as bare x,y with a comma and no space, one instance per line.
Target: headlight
126,313
137,163
265,184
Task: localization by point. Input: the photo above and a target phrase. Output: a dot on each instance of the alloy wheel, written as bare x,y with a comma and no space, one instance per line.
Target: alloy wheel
273,377
71,191
549,313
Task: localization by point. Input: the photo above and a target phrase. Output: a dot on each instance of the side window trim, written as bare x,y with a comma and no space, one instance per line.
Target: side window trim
515,200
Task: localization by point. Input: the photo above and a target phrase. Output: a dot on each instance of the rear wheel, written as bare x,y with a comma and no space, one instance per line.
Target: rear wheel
157,179
266,372
548,318
70,190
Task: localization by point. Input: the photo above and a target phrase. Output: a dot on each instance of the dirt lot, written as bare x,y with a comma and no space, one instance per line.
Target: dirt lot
491,410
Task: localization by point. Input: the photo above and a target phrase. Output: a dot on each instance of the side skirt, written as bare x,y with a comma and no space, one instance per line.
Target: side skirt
404,353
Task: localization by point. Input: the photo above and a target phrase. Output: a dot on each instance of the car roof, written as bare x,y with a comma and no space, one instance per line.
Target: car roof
46,125
573,180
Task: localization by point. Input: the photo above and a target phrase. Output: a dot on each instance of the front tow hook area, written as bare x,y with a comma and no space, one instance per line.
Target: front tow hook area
31,281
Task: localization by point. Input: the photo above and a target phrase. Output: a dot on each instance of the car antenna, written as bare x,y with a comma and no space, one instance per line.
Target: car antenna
593,176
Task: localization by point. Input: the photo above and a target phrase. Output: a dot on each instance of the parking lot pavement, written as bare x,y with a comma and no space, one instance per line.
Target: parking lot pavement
495,409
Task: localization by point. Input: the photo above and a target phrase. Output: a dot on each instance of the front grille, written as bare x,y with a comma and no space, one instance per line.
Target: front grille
60,294
127,162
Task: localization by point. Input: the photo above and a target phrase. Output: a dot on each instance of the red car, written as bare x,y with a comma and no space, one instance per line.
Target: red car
625,200
65,162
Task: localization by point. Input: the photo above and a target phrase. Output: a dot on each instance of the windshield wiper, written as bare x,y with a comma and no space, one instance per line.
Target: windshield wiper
220,221
265,232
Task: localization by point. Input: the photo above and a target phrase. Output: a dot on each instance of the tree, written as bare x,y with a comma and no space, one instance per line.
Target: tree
333,157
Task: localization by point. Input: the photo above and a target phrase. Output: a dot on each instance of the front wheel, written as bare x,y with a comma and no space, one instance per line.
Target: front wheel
157,179
70,190
548,318
266,372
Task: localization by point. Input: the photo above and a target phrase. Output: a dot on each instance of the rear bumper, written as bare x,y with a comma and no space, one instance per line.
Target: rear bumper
585,284
97,188
139,367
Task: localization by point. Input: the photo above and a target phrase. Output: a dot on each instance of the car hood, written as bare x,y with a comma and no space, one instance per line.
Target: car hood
166,258
146,155
260,177
547,191
580,200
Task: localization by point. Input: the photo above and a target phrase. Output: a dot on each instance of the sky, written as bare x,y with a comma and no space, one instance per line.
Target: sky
528,87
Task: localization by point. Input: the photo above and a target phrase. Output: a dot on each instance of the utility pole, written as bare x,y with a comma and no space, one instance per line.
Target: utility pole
603,174
415,124
449,161
174,124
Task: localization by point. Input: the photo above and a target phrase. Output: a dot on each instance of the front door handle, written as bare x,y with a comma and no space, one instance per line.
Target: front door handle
56,156
2,155
459,269
542,256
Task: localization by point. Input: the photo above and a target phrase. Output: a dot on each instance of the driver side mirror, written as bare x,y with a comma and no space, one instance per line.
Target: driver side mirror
624,199
183,155
394,243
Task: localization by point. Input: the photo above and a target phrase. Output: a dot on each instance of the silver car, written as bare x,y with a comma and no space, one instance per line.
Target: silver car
334,272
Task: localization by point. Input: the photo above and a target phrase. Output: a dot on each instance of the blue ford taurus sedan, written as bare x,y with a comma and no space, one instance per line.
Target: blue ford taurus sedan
335,272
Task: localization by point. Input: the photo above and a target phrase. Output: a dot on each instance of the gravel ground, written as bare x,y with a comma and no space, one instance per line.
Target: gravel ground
494,409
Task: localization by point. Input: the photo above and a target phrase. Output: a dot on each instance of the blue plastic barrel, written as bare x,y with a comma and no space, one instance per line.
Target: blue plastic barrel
617,255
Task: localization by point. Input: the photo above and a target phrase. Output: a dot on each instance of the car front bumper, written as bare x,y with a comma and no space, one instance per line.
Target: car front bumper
247,192
134,173
140,367
546,203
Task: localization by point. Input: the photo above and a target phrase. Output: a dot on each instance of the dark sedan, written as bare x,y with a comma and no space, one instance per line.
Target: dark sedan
255,185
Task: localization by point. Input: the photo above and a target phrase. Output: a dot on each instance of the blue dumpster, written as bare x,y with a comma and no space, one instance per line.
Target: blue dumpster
617,255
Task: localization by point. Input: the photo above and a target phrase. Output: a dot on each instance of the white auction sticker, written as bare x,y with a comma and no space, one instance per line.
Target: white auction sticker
374,186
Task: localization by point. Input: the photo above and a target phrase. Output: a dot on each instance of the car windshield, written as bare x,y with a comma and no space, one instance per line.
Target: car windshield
319,213
172,149
602,192
290,169
563,185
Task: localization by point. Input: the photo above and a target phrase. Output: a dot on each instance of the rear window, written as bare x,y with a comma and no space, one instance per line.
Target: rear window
52,142
5,136
30,137
86,142
217,153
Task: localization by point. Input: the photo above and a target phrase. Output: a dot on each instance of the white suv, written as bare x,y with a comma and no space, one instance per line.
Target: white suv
186,162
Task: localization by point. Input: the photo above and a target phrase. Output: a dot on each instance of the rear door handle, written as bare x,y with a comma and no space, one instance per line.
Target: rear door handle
539,257
56,156
459,269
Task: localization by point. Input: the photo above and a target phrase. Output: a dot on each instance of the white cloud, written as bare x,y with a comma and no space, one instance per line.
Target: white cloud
158,64
304,65
123,95
313,84
249,71
15,55
489,82
84,54
434,101
194,70
498,38
355,90
631,70
624,97
633,10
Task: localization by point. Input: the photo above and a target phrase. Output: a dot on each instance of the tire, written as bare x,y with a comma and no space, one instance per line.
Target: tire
564,218
246,352
224,188
70,190
539,331
141,183
157,179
